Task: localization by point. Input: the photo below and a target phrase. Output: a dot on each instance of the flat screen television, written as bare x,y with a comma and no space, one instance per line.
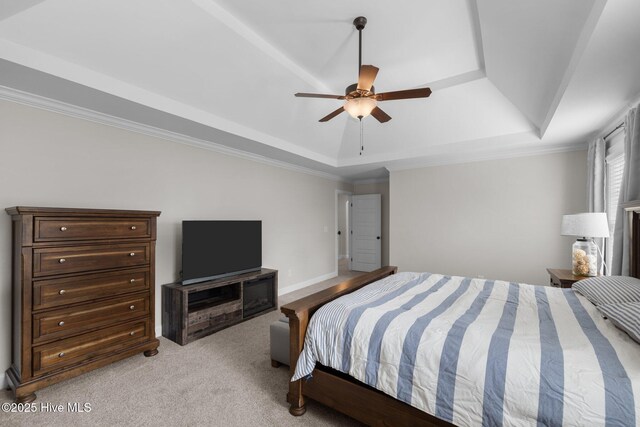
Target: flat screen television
214,249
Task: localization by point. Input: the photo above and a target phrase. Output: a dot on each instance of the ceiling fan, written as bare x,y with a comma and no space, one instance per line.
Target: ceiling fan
360,98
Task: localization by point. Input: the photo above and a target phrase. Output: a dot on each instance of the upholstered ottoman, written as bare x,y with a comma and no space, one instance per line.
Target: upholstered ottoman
279,332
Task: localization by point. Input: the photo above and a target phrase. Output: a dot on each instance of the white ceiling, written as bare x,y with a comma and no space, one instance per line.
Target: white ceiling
508,77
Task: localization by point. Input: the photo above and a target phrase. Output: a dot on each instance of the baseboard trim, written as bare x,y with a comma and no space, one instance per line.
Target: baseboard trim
302,285
5,382
158,331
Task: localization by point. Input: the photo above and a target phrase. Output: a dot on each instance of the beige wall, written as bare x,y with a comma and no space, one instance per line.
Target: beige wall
381,188
499,219
47,159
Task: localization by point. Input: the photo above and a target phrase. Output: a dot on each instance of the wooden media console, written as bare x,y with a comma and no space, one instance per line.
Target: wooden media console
194,311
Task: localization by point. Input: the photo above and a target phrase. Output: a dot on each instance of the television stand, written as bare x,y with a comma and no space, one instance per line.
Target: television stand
194,311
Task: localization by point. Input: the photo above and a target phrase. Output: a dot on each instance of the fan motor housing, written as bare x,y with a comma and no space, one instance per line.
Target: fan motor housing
353,92
360,23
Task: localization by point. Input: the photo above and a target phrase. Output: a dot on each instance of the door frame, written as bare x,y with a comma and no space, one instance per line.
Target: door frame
336,253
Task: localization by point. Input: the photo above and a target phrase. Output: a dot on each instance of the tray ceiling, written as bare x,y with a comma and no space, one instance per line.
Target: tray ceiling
507,77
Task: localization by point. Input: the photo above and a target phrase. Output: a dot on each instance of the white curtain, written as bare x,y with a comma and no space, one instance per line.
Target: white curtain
629,191
595,177
596,181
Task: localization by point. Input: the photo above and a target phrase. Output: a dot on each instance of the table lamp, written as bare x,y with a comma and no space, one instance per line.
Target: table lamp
584,252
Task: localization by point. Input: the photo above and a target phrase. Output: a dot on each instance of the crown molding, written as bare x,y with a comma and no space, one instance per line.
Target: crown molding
45,63
55,106
371,181
482,157
36,101
467,149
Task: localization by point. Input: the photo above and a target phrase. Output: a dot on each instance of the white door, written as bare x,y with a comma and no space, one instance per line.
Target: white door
365,232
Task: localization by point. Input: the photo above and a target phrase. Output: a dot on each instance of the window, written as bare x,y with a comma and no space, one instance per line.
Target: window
615,166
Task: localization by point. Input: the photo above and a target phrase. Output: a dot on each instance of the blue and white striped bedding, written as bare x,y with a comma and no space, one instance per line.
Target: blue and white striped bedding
480,352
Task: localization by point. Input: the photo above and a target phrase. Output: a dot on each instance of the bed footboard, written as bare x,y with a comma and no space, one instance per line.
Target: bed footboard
299,312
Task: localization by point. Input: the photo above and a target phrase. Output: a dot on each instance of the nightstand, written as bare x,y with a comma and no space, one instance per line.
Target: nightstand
560,278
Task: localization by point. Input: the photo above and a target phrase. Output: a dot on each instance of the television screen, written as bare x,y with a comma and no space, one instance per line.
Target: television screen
213,249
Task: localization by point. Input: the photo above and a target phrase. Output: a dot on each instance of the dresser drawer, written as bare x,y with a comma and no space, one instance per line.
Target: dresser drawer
48,261
60,229
68,321
89,346
56,292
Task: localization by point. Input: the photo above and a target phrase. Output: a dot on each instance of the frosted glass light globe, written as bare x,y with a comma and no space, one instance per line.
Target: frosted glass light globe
360,107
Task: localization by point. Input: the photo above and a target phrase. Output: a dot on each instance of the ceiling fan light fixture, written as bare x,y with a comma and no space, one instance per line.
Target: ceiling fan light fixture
361,98
359,108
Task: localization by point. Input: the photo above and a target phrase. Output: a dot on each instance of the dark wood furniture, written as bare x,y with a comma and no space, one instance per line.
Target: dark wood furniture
83,292
632,210
561,278
337,390
194,311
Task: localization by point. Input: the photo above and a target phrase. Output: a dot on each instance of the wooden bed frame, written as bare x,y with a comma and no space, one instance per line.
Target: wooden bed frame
632,210
335,389
354,398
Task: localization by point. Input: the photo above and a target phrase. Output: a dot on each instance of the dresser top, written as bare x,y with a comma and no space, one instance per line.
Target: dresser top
29,210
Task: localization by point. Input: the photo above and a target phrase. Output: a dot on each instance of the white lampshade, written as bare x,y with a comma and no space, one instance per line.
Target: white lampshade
360,107
585,225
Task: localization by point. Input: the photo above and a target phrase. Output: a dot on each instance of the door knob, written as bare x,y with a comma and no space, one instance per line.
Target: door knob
339,232
378,237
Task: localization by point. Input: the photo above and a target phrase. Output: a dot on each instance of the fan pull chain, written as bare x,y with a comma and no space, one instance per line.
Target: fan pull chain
361,136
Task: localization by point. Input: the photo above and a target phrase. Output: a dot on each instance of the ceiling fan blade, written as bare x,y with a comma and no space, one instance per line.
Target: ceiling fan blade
368,74
380,115
404,94
318,95
331,115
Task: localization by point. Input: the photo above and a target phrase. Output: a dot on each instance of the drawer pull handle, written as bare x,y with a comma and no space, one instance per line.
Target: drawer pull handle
133,227
132,254
132,280
63,228
61,354
132,333
61,323
131,307
62,260
62,292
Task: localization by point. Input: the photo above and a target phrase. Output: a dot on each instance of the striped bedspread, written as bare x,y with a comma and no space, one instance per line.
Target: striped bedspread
480,352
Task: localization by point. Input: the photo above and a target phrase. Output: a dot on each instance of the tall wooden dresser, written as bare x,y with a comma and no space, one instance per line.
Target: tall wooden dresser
83,292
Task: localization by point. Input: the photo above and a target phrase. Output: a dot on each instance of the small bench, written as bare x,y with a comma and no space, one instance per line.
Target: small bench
279,333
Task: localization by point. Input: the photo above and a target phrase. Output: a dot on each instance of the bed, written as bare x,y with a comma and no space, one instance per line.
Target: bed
392,348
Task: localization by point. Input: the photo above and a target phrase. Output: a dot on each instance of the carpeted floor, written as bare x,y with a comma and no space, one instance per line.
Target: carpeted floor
225,379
